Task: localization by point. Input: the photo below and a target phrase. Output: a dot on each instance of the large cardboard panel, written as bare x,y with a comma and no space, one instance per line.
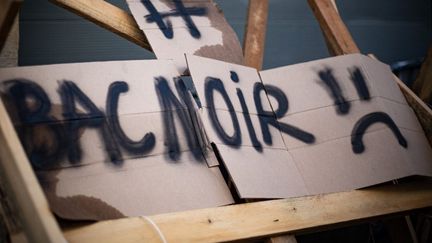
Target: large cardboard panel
143,186
174,28
344,123
88,130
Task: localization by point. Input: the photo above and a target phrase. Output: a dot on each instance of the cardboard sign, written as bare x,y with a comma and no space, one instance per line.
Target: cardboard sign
175,27
330,125
111,139
127,138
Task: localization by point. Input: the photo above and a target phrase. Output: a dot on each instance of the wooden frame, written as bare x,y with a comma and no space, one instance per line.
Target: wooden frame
254,40
236,222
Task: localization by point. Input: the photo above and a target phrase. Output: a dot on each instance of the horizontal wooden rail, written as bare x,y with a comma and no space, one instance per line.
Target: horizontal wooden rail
260,219
109,17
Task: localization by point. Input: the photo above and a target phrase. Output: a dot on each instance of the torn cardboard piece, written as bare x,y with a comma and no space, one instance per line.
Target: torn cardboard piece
174,28
344,124
105,137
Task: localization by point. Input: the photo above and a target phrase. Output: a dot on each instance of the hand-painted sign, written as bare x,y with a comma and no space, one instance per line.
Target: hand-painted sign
176,27
105,137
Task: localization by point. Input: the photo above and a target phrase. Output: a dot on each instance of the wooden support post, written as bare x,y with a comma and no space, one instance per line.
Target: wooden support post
337,36
38,222
255,34
109,17
339,42
8,11
261,219
423,84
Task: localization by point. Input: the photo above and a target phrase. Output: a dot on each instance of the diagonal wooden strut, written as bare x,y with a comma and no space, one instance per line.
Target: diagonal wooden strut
8,11
109,17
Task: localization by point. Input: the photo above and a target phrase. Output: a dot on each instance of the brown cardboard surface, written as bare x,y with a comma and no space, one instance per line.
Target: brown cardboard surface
143,186
226,123
331,166
306,91
247,78
339,126
271,173
135,126
156,180
332,160
289,139
208,34
94,79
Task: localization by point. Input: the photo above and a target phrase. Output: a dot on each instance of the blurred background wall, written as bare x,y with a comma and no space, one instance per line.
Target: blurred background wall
394,30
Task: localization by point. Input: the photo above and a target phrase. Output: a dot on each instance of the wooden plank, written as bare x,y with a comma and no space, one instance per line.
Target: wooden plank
36,217
423,84
255,34
261,219
107,16
338,38
8,11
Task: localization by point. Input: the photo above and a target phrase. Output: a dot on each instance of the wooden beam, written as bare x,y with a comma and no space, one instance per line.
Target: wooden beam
337,36
8,11
423,111
260,219
423,84
109,17
38,222
255,34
